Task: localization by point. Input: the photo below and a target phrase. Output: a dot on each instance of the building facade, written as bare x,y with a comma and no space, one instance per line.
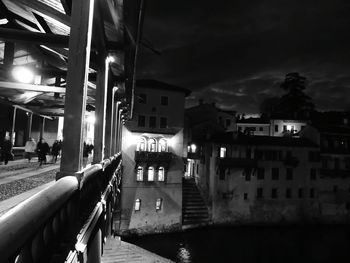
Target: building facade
153,167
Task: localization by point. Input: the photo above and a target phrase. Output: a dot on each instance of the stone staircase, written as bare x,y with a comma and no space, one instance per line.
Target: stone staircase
194,208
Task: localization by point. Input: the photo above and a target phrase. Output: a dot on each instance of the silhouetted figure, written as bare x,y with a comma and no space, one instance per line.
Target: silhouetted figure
29,149
56,147
87,150
42,149
6,150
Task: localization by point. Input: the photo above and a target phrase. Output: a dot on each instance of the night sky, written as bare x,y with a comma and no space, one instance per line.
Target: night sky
237,52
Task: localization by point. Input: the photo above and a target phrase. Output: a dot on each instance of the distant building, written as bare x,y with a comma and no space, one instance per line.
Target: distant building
282,127
254,126
152,151
258,179
334,141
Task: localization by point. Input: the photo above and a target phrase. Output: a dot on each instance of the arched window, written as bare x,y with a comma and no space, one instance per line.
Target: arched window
161,174
139,174
150,173
141,145
159,203
152,145
137,204
162,145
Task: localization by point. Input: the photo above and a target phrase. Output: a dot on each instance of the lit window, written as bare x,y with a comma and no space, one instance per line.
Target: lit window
137,204
161,174
159,202
162,145
152,145
150,174
222,152
141,146
139,175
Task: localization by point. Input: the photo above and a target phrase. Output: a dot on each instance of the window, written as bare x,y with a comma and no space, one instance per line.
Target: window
312,174
245,196
141,121
261,129
284,128
139,174
261,174
274,193
150,176
259,192
163,122
248,153
164,100
142,98
152,145
275,173
222,174
197,168
312,192
258,155
276,128
222,152
162,145
137,204
314,156
141,146
289,174
288,193
152,122
161,174
300,192
228,122
159,203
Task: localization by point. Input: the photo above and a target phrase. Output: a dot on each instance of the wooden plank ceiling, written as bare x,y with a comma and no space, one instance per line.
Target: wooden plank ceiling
40,31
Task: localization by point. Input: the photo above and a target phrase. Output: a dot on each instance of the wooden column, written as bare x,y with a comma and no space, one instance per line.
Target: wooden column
29,125
109,122
100,112
115,127
42,128
77,78
13,126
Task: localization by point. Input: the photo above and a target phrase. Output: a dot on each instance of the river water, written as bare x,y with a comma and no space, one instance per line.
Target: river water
283,244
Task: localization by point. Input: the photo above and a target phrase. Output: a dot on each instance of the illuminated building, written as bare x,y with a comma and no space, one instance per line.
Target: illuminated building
152,150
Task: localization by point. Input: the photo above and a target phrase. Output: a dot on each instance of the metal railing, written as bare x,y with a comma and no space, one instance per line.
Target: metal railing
66,222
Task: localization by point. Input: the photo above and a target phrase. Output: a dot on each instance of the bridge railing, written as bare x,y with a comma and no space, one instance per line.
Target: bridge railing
66,222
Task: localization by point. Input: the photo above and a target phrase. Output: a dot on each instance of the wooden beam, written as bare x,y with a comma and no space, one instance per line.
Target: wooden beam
45,11
31,87
16,35
41,23
67,6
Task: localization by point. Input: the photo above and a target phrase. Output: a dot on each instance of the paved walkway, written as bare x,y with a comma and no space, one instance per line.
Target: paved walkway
117,251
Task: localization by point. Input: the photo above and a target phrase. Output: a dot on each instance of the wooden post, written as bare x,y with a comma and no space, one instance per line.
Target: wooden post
77,79
109,121
100,112
115,127
42,128
29,125
12,135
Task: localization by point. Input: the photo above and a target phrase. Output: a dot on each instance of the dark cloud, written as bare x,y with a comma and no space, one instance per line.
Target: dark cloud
238,52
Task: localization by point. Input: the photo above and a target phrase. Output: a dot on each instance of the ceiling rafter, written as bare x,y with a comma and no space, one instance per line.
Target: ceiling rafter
67,6
31,87
41,23
45,11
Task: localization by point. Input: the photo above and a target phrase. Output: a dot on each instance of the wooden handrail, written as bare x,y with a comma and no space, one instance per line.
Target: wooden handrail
23,221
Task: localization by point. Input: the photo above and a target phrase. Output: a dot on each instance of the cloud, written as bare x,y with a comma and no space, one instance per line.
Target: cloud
217,48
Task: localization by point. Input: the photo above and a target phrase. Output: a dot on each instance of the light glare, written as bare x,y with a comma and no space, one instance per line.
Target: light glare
23,74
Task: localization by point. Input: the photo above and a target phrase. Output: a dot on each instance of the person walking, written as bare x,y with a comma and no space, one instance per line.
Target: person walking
56,147
6,150
29,149
42,149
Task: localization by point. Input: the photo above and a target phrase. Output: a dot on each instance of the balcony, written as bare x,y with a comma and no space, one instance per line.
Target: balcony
148,158
236,162
334,173
196,155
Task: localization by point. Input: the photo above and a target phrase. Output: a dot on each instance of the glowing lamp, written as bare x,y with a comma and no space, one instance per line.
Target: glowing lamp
289,127
110,59
91,119
3,21
193,148
23,74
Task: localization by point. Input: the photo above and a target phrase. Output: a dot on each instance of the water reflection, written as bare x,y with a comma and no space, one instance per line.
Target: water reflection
183,254
312,244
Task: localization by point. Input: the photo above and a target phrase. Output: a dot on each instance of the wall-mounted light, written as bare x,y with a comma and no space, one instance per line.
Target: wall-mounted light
193,148
110,59
91,119
23,74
